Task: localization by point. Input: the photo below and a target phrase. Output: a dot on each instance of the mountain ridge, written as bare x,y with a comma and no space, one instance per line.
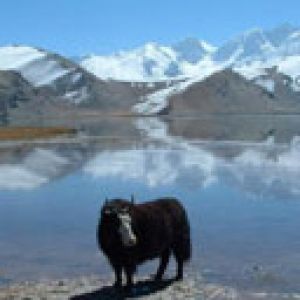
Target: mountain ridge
142,81
189,56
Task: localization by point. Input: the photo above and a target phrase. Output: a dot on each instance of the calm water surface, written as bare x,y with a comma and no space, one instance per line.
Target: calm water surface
243,201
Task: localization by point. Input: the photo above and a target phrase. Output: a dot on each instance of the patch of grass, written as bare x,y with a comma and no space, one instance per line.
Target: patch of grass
20,133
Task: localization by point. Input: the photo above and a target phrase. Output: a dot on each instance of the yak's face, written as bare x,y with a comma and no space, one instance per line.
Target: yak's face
118,214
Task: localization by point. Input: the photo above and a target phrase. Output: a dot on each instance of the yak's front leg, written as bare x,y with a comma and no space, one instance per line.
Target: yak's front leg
129,271
118,275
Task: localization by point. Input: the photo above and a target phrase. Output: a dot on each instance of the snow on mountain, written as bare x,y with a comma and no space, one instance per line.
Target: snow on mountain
192,60
144,63
192,50
251,45
156,102
63,78
35,65
260,50
249,54
289,66
152,62
291,46
64,81
267,84
279,35
261,45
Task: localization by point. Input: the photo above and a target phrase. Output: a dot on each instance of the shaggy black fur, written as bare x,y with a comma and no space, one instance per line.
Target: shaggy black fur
161,228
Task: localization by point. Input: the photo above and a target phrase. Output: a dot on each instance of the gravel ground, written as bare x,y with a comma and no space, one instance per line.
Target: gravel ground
93,287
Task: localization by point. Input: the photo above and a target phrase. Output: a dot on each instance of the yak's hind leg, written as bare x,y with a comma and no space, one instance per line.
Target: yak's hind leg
118,275
182,251
164,260
129,271
180,261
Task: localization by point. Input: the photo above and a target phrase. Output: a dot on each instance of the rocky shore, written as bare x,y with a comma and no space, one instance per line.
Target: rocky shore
94,287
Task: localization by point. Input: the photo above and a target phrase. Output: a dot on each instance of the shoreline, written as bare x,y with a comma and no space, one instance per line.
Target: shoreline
33,133
95,287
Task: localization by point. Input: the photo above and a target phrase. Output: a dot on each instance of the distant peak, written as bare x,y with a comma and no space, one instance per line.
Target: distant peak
280,34
208,47
189,40
251,33
151,45
286,26
193,44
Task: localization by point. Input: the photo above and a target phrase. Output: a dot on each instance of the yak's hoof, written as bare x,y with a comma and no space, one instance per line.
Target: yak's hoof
117,285
179,277
156,277
128,288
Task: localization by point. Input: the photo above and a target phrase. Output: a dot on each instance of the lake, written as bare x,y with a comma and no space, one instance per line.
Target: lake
242,198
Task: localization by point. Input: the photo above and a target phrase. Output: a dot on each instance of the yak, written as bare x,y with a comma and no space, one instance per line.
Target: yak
130,234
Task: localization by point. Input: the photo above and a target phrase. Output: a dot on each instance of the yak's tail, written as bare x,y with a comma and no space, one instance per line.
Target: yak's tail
183,247
186,243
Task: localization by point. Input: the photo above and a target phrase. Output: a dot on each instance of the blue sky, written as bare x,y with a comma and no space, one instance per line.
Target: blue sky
78,27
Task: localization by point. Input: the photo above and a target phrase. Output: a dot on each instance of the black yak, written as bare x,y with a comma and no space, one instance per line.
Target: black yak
129,234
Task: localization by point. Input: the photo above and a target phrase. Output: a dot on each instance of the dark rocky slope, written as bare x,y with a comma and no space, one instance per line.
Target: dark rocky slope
227,92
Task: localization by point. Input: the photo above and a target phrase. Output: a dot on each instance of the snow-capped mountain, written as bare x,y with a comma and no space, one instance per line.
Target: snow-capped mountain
65,82
143,79
257,44
250,45
147,62
250,54
36,66
151,62
44,69
192,50
254,49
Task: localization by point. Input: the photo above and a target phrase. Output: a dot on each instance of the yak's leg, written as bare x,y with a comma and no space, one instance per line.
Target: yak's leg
129,271
179,275
118,275
164,260
179,260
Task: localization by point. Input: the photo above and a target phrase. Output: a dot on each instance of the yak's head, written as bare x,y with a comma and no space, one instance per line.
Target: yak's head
118,214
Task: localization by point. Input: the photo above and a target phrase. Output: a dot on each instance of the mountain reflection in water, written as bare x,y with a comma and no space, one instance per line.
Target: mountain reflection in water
242,200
